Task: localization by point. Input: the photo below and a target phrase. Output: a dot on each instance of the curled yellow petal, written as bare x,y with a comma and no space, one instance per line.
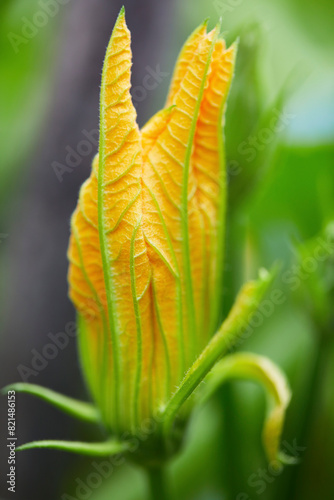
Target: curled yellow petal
262,370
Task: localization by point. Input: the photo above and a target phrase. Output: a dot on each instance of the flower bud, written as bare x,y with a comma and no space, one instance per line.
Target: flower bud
146,246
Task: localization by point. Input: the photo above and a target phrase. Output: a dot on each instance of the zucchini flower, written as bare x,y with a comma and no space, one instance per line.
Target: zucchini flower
146,258
146,237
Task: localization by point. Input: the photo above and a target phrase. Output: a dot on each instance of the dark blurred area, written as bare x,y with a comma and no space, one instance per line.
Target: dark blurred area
281,186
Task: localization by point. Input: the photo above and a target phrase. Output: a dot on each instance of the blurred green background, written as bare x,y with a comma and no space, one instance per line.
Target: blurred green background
281,199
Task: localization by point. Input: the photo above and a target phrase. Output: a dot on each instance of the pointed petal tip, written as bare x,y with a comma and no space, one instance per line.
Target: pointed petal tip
204,23
214,33
121,17
234,47
120,24
236,41
219,25
201,29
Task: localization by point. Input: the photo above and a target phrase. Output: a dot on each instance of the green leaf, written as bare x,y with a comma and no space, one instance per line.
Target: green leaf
230,331
265,372
103,449
77,409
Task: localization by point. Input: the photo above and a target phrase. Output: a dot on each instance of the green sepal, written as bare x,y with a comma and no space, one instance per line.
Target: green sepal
263,371
103,449
78,409
246,304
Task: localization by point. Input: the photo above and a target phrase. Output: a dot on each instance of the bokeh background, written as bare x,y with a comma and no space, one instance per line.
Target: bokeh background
280,152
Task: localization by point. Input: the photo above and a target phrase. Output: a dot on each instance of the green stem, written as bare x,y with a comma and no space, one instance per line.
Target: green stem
231,442
311,403
157,482
230,423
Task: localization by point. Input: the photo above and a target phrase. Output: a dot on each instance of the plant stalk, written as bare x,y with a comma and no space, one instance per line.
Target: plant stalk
157,481
310,411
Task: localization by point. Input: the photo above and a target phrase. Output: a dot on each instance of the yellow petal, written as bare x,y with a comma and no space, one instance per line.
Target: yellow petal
167,141
121,237
207,190
208,164
107,225
186,55
87,289
154,127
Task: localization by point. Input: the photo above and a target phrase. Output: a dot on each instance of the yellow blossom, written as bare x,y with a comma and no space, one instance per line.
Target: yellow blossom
146,247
